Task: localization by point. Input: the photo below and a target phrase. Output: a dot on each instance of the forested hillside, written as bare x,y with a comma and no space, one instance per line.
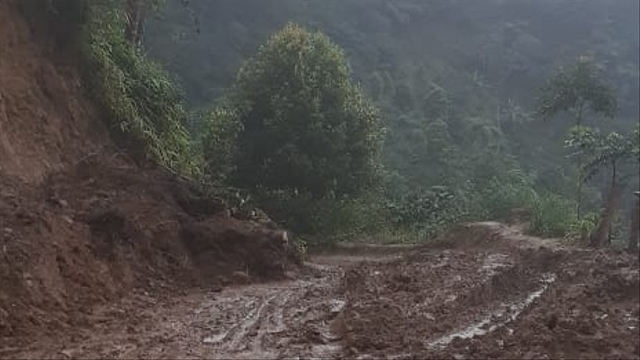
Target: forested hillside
319,179
456,82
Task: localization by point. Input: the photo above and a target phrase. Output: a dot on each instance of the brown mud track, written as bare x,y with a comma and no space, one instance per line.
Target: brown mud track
504,297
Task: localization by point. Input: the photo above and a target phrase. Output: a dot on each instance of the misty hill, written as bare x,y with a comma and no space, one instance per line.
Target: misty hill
453,78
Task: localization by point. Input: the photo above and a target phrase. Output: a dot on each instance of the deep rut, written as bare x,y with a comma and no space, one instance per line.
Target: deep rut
287,319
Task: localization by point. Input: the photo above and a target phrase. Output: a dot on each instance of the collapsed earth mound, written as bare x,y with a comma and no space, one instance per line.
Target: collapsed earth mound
80,223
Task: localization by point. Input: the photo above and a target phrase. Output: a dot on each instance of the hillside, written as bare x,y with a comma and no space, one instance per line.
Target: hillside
356,192
444,73
81,224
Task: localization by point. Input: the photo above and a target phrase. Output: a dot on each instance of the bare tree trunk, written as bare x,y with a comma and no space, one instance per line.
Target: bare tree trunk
579,205
599,236
135,21
613,179
634,232
580,170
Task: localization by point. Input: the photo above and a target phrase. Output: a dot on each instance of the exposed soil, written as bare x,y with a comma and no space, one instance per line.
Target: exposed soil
46,123
505,296
81,224
501,299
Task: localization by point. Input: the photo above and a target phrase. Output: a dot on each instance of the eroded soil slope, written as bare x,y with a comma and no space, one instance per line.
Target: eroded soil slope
81,225
46,123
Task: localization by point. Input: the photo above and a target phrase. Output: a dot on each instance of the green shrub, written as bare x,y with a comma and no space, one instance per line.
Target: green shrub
331,219
139,100
580,229
426,212
552,216
218,142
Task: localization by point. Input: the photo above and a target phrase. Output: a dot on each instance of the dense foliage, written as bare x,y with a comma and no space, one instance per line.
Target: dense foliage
456,85
578,90
140,101
461,89
304,125
138,97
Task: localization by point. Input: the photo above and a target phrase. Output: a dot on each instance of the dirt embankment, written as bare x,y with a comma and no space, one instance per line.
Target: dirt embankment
80,224
46,123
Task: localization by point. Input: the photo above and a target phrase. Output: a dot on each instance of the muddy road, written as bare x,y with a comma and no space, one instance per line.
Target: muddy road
485,291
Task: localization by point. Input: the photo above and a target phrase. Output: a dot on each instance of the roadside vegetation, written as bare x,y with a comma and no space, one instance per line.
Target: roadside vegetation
334,155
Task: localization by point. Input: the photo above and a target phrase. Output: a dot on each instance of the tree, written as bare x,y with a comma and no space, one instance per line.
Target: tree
632,245
577,90
136,12
218,142
305,125
135,21
601,151
634,231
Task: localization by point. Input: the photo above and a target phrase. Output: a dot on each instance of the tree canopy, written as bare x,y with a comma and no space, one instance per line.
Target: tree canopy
305,125
576,90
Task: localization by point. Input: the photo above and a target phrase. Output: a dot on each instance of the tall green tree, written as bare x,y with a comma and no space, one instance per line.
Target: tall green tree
577,90
305,125
632,244
605,151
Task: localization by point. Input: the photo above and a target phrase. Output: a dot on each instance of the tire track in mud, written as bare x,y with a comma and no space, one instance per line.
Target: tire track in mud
493,320
283,320
485,301
511,297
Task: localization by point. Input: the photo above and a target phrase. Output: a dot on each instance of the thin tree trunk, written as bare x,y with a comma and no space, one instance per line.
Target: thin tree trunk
613,179
579,123
634,232
606,218
579,205
135,21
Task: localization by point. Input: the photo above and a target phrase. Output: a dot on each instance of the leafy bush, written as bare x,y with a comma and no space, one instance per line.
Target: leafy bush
330,218
140,101
552,215
218,142
580,229
501,196
426,212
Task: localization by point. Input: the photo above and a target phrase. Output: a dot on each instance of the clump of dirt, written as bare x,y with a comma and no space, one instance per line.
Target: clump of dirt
258,252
